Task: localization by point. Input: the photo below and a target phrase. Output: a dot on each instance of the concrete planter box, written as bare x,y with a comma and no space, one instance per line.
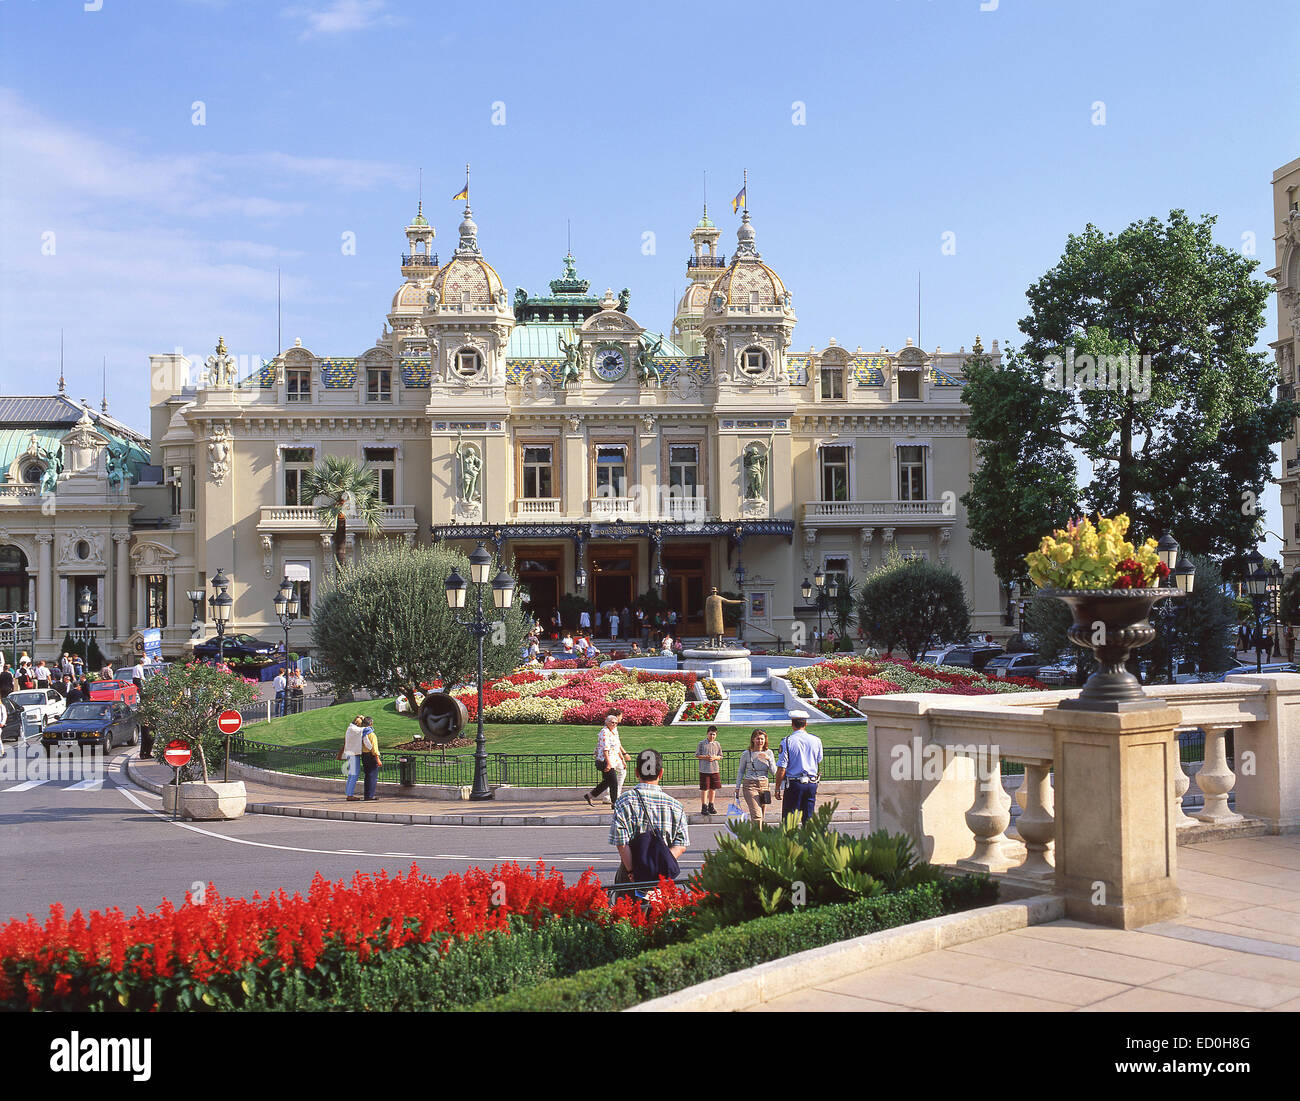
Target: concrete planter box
210,802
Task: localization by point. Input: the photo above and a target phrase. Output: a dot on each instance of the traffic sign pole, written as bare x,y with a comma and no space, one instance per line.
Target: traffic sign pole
228,722
177,754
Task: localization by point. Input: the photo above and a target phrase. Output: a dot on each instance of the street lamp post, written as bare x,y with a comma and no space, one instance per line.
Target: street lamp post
1257,587
740,587
503,591
196,624
819,584
85,605
286,611
221,603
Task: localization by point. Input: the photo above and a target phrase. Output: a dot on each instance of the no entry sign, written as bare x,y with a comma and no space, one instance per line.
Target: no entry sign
177,754
228,722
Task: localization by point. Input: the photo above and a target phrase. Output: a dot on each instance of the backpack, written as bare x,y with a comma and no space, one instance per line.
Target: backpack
651,857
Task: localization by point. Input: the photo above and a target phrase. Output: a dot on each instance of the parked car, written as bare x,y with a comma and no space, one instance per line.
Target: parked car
123,690
239,648
41,704
11,719
101,724
1022,644
1266,667
969,657
1063,671
1013,665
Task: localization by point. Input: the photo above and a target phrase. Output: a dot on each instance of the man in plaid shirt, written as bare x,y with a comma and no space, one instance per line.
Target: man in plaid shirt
647,806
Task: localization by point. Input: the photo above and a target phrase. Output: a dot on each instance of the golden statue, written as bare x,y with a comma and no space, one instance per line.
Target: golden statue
713,626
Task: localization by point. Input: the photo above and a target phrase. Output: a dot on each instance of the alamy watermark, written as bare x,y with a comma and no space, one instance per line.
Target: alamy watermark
1124,374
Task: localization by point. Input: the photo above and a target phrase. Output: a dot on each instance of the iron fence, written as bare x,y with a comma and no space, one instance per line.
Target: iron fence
526,770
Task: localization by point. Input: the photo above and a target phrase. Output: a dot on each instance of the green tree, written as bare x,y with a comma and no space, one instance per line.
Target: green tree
1188,447
346,490
912,603
382,623
844,611
1024,484
1201,627
182,704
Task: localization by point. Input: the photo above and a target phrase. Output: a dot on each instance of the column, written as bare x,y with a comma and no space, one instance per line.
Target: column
1116,843
45,588
121,616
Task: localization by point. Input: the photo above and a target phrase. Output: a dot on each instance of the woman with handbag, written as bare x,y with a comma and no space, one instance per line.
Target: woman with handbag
350,755
756,765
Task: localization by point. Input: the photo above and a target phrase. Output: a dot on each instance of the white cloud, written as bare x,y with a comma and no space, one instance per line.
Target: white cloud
342,16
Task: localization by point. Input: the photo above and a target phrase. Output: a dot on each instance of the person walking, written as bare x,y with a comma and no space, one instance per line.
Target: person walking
42,674
1290,643
610,757
753,775
798,767
350,754
709,754
66,665
6,680
370,759
78,667
137,674
642,814
613,623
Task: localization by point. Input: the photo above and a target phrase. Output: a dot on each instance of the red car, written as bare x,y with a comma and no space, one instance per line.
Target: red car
123,690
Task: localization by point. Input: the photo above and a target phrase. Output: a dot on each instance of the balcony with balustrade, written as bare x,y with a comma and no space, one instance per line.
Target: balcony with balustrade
537,508
826,514
19,493
944,771
302,520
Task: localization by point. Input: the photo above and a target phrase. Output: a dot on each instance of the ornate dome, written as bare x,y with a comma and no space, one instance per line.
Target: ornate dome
467,273
695,299
747,274
411,297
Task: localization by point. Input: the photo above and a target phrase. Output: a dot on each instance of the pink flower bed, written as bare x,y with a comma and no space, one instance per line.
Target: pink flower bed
635,712
852,689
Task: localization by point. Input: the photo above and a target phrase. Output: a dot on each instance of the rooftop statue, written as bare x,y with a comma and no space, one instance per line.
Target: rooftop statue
646,369
571,370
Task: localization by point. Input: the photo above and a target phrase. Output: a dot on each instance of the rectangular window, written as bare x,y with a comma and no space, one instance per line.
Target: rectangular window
911,473
299,574
537,472
909,385
297,383
383,461
611,472
155,596
835,473
838,568
684,470
379,384
298,461
832,383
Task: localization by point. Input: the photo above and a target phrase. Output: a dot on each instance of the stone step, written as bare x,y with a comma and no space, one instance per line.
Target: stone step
750,696
758,715
745,682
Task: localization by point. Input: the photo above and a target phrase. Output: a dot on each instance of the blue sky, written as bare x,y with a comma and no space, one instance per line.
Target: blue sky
921,117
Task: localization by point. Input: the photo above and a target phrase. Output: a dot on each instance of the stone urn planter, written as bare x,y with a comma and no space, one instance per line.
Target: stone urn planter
1112,623
210,802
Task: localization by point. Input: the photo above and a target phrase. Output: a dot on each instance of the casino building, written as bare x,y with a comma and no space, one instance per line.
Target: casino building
591,449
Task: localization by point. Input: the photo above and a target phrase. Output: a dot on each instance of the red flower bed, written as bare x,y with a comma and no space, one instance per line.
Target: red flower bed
53,965
491,697
852,689
520,678
568,663
635,712
645,676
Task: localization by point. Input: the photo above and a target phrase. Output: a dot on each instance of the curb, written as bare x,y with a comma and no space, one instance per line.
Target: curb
768,981
410,819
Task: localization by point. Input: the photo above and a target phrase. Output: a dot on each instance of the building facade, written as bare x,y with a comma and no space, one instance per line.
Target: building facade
1286,348
588,449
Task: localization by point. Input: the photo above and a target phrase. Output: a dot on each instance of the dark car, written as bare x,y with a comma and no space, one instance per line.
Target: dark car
1013,665
101,724
972,657
238,648
1022,644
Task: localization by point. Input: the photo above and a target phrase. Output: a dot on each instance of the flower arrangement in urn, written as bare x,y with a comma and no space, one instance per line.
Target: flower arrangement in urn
1084,555
1110,585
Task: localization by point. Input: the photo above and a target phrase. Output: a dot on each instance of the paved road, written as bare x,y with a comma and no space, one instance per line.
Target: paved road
93,840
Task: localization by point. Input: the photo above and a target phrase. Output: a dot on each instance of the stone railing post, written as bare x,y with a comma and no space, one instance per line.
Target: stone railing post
1037,823
988,818
1268,755
1116,845
1216,780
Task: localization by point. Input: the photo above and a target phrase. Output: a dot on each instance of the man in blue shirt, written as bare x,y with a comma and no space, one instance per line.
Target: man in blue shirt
798,767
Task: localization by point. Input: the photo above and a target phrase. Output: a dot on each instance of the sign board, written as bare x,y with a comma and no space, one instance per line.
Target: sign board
151,643
177,754
229,721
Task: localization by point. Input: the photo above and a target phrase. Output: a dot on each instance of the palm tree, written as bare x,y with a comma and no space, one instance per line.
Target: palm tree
347,490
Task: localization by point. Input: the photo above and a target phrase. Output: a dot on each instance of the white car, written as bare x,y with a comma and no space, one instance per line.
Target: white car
38,705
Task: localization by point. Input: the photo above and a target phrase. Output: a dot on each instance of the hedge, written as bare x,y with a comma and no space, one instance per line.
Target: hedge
658,972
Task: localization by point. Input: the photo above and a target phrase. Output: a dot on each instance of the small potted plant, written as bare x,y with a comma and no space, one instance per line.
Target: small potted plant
1111,586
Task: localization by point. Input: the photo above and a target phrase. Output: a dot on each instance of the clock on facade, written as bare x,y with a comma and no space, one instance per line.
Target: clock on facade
609,363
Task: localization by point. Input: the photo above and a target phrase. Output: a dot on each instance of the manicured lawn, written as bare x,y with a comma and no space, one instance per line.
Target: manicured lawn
323,729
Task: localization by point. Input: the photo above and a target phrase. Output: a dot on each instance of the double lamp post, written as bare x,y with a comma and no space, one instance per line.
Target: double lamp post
827,590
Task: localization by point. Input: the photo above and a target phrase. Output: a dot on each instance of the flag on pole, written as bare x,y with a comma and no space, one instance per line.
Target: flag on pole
463,193
739,201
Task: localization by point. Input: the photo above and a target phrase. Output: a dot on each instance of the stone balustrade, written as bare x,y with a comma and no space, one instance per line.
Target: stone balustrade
1101,794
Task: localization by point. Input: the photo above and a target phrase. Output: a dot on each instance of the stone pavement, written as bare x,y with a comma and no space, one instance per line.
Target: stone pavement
1238,948
263,798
